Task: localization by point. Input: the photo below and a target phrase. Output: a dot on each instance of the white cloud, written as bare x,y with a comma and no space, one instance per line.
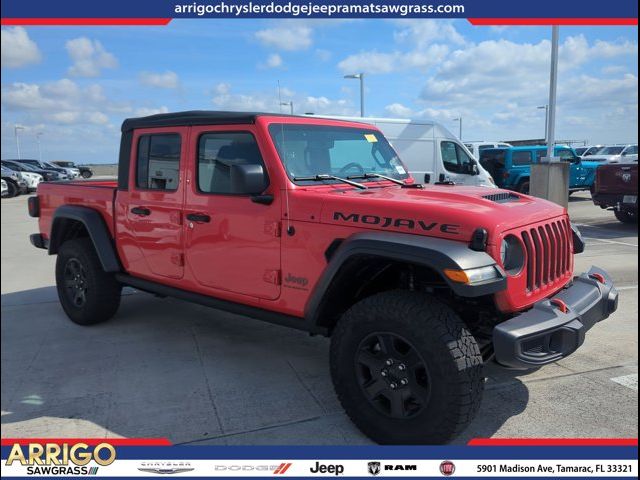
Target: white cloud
377,62
225,99
289,35
18,50
398,110
273,61
421,33
89,57
166,79
144,111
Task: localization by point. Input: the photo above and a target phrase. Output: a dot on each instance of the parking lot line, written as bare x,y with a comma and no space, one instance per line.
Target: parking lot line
612,241
629,381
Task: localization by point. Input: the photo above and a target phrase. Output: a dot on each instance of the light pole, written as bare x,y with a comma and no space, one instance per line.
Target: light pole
550,136
546,119
459,120
359,76
288,104
17,128
38,135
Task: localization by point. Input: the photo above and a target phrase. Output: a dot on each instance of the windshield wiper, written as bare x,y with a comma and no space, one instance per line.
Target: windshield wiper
402,183
324,176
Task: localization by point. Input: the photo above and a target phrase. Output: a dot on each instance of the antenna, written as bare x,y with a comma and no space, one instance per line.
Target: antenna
287,210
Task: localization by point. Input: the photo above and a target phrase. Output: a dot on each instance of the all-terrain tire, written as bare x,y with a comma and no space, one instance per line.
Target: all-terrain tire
448,396
12,189
626,216
524,187
87,293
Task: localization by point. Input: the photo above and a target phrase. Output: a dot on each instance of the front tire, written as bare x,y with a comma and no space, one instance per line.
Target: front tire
524,187
12,189
87,293
406,369
626,216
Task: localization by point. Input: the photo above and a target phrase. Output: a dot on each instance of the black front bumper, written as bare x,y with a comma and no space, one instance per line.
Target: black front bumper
554,328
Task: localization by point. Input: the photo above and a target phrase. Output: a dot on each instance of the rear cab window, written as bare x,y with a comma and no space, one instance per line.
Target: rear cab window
158,161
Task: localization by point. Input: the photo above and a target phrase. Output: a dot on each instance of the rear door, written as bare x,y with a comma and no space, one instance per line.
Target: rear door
152,237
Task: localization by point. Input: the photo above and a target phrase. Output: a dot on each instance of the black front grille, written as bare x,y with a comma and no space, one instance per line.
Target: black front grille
502,197
548,250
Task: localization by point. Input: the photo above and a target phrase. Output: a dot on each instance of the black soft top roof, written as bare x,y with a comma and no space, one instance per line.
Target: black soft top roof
194,117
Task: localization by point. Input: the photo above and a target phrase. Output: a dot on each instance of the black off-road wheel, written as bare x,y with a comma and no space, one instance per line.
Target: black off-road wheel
524,187
87,293
406,369
626,216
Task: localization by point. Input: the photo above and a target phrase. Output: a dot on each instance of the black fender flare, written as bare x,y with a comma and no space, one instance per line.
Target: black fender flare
435,253
95,226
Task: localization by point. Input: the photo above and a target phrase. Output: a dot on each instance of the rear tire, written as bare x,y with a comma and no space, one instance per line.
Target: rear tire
432,383
87,293
625,216
86,174
13,189
524,186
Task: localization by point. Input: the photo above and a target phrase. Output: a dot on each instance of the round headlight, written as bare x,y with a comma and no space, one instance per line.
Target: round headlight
512,255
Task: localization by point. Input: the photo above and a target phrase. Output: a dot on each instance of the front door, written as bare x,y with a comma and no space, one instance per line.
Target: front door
232,243
152,240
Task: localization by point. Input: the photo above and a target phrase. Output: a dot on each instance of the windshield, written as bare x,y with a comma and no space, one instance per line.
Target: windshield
610,151
581,150
310,150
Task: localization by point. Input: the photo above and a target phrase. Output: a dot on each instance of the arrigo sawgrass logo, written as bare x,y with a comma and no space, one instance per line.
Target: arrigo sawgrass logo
61,458
165,467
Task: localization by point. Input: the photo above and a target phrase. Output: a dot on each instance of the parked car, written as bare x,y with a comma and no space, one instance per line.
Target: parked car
84,171
47,175
71,172
15,183
511,167
32,179
315,224
476,148
64,175
616,188
587,150
616,154
5,188
431,153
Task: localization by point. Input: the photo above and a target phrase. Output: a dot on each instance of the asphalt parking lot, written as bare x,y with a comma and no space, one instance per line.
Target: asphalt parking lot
165,368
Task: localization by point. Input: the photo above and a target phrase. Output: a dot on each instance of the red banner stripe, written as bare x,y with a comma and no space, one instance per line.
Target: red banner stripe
553,442
553,21
84,21
116,442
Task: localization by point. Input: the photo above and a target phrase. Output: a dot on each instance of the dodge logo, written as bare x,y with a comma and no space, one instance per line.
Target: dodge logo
374,468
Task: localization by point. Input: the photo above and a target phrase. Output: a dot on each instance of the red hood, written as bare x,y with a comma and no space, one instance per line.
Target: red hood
452,212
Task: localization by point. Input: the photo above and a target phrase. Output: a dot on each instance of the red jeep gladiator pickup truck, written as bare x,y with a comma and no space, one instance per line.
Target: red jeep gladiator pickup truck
315,224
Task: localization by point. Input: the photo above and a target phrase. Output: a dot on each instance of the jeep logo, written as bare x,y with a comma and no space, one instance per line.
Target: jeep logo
298,281
389,222
332,469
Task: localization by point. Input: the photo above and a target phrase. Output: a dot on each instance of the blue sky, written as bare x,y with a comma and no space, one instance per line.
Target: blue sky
75,85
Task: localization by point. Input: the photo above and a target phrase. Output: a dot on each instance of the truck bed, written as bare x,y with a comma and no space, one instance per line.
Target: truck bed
97,194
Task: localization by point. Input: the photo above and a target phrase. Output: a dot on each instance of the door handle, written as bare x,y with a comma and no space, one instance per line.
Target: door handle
142,211
199,217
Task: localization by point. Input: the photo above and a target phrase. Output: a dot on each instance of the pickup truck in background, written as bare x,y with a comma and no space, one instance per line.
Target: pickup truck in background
315,224
616,188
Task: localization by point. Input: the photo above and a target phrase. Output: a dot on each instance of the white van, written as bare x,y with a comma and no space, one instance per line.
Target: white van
431,152
477,147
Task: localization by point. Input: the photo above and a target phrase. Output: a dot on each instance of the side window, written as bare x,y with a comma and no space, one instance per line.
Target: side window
454,157
218,152
632,150
158,162
567,155
521,157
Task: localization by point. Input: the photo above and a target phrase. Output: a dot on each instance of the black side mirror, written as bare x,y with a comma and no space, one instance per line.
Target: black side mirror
248,179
